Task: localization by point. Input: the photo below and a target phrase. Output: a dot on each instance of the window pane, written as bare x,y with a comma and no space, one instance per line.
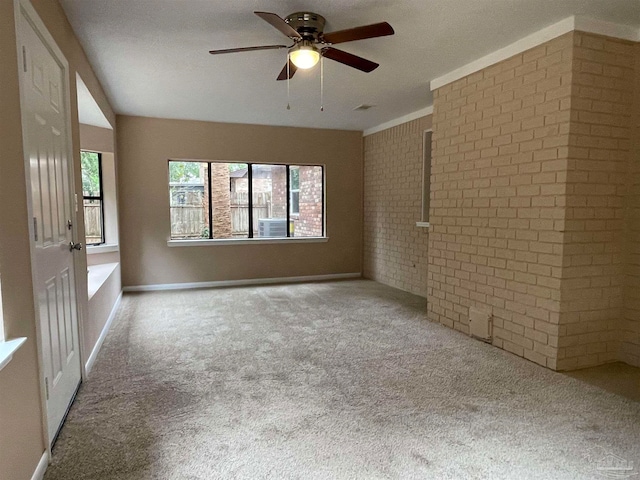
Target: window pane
230,200
269,200
294,190
92,197
189,204
239,197
93,221
90,162
310,220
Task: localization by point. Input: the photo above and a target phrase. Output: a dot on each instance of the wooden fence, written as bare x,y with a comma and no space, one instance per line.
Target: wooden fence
189,221
240,211
92,223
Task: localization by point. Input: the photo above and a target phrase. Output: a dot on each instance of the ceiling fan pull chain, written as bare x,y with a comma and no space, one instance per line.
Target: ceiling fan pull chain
288,80
322,84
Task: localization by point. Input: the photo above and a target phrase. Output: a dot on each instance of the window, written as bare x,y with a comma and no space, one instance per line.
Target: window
216,200
92,197
426,177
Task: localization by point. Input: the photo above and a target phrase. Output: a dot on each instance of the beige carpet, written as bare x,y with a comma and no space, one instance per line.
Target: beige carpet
344,380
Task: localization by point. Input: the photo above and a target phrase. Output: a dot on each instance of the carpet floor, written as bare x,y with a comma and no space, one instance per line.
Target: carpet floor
336,380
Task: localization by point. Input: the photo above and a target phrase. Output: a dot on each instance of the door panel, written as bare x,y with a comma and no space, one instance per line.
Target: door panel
47,143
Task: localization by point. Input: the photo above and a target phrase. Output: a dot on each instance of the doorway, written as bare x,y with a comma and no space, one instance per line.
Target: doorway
44,91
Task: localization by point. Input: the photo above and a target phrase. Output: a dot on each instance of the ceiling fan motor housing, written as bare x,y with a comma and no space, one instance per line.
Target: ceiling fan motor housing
308,24
310,43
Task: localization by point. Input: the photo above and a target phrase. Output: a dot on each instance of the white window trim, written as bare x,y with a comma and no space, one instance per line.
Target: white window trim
244,241
8,348
104,248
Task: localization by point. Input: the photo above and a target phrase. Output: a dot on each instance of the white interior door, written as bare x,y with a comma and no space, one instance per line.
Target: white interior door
46,141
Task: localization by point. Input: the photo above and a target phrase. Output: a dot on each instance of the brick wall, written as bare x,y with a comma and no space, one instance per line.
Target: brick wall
630,325
279,192
599,156
498,198
395,249
535,201
308,223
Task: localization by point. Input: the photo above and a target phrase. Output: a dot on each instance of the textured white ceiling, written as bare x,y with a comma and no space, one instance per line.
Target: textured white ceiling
152,55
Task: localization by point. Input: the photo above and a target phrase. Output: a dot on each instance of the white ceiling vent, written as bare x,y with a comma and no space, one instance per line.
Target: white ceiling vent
362,107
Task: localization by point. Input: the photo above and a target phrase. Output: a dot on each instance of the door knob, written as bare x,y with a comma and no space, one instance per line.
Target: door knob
75,246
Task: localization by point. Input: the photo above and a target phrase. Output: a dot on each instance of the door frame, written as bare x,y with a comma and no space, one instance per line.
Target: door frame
24,8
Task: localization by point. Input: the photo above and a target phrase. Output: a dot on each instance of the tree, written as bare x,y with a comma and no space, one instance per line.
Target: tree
184,172
90,174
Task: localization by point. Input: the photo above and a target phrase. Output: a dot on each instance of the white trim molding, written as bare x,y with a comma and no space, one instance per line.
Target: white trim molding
241,283
105,330
8,348
208,242
524,44
608,29
569,24
38,474
399,121
104,248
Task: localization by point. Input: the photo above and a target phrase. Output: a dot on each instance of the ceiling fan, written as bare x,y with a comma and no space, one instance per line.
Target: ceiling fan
306,29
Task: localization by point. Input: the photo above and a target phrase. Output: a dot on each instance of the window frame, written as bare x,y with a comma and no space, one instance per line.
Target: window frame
100,198
427,142
251,234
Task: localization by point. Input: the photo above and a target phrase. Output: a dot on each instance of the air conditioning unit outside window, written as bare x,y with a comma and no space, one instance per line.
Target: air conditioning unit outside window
272,227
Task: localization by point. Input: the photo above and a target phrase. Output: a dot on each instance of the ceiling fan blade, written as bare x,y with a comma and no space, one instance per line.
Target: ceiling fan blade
349,59
246,49
292,71
279,23
359,33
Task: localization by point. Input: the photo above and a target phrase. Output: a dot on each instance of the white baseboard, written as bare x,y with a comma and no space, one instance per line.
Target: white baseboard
240,283
41,468
96,349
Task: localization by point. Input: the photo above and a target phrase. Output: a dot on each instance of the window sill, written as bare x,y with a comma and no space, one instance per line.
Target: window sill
97,275
245,241
422,224
8,348
106,248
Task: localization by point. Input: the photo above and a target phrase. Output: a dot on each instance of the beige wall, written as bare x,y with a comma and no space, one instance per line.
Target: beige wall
96,139
144,147
21,441
395,249
534,202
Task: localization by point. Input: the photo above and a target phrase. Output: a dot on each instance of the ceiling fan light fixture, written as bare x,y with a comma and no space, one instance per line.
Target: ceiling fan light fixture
304,55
